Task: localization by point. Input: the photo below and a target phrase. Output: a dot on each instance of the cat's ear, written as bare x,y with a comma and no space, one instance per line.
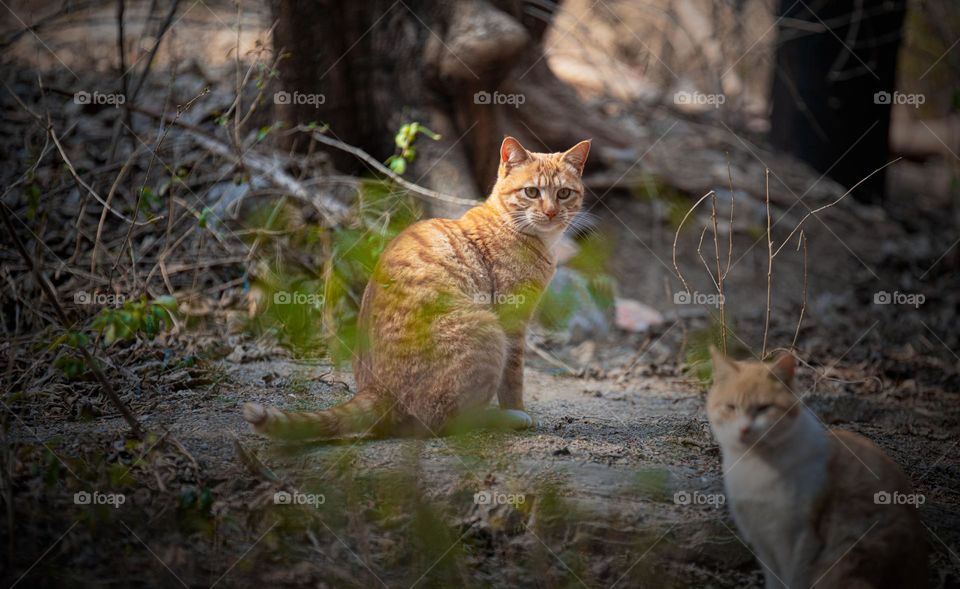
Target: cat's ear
723,367
783,367
512,153
576,156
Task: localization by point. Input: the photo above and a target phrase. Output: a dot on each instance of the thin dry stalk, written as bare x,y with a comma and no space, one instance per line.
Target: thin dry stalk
676,237
723,299
803,302
703,260
716,250
153,156
103,213
830,204
87,187
766,320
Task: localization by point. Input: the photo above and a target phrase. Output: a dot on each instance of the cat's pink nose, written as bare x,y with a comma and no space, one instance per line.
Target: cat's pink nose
744,430
550,213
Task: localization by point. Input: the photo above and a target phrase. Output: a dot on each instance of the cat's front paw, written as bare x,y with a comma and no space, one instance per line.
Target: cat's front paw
518,419
256,415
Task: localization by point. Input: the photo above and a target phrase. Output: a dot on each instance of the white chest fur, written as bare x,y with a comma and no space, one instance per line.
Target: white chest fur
772,493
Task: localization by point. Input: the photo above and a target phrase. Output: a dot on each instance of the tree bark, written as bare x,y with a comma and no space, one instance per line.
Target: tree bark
379,64
833,87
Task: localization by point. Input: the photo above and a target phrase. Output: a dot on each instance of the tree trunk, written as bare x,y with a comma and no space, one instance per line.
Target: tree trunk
832,89
471,71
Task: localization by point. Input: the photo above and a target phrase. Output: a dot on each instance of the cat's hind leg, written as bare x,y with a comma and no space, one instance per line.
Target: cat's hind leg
456,373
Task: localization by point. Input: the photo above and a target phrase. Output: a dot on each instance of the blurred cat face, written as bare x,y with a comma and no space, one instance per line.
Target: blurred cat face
541,192
750,403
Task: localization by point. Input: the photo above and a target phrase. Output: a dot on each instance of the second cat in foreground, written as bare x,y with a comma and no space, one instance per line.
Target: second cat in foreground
443,319
819,507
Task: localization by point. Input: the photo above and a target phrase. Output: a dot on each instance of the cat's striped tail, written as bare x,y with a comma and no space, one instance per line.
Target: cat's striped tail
366,413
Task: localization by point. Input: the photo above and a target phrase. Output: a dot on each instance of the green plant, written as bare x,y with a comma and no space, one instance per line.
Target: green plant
142,317
406,152
70,364
698,351
315,312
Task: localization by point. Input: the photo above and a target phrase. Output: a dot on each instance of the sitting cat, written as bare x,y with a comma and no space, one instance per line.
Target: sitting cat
818,507
443,319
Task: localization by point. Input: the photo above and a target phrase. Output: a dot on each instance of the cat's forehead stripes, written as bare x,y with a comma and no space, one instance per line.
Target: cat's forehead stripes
548,172
751,386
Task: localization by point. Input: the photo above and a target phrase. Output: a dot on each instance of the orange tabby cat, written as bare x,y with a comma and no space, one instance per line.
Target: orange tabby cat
819,507
443,318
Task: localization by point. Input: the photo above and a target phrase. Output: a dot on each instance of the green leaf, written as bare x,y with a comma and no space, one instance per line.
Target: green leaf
202,217
168,302
398,165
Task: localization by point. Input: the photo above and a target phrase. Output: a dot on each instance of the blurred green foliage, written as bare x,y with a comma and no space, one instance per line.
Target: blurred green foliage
590,284
653,189
314,311
698,345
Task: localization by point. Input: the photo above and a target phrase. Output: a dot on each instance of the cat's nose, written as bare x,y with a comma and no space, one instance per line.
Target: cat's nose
744,430
550,213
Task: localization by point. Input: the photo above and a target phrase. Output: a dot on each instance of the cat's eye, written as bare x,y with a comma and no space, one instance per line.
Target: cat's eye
730,407
532,192
764,407
564,193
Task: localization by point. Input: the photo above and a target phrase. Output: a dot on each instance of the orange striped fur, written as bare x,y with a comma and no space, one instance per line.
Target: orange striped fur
444,316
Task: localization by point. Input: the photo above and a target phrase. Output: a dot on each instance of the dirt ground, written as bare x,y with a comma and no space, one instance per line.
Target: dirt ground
593,496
